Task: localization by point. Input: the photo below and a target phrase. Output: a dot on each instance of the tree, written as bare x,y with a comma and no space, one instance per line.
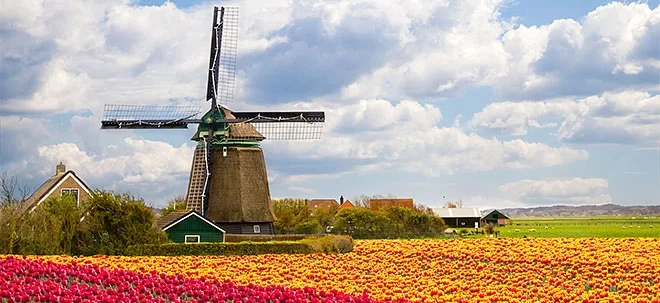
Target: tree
174,204
51,227
113,222
288,213
13,195
325,217
361,222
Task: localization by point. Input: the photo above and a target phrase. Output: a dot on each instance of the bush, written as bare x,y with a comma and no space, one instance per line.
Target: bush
308,227
329,244
489,229
114,222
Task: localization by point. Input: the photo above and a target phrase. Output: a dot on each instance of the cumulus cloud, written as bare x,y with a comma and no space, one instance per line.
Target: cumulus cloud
450,46
628,117
407,138
142,160
575,191
609,49
515,118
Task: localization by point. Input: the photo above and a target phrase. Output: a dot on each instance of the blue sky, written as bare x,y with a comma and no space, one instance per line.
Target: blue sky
498,103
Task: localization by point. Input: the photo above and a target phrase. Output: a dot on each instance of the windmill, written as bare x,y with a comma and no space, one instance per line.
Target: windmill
228,181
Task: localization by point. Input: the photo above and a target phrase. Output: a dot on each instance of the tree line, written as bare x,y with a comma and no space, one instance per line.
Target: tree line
293,216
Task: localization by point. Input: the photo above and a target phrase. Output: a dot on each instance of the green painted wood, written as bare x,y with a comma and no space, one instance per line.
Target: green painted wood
194,226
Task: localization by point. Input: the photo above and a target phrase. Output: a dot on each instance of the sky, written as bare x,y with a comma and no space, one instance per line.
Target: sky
497,103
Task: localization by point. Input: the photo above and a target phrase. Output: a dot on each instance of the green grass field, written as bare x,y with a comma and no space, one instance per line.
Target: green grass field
579,227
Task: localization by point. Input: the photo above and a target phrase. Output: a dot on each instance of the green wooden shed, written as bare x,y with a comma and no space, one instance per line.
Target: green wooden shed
190,227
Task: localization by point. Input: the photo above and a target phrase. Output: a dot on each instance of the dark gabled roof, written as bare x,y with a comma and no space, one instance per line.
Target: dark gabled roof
167,219
52,182
494,211
173,218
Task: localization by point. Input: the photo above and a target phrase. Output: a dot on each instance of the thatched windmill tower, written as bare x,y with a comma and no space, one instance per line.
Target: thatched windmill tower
228,179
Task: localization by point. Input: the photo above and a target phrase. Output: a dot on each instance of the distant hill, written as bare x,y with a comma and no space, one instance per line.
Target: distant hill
582,211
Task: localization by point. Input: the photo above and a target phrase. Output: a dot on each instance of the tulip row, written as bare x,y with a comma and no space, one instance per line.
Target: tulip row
25,280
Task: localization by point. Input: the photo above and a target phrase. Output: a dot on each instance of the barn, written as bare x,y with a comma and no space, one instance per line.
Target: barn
190,227
459,217
495,217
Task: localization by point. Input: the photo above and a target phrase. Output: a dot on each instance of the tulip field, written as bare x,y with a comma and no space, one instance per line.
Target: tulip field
454,270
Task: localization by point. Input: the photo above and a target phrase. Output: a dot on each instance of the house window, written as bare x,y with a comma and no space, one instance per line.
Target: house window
257,229
73,192
191,239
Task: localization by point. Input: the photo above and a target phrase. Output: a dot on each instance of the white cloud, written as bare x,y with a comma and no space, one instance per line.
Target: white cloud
515,118
406,138
575,191
142,161
449,46
627,117
608,50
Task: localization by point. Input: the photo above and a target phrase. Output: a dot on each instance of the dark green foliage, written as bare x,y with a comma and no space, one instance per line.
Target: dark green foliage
389,222
362,223
308,227
329,244
114,222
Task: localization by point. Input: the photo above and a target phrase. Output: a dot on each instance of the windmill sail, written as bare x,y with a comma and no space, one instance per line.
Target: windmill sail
285,125
148,116
222,63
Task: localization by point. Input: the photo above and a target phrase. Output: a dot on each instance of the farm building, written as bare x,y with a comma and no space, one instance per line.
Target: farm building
459,217
376,204
190,227
63,182
324,204
494,217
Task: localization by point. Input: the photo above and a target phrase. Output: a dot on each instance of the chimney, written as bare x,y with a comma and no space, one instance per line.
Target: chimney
341,200
60,169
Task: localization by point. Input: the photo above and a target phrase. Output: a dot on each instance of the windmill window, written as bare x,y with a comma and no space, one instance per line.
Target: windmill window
73,192
191,239
257,229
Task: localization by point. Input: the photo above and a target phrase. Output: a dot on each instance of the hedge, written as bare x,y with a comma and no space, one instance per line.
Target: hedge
265,238
328,244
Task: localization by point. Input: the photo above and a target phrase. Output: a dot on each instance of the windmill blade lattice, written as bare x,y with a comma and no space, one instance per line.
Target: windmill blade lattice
222,73
305,125
148,116
290,130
